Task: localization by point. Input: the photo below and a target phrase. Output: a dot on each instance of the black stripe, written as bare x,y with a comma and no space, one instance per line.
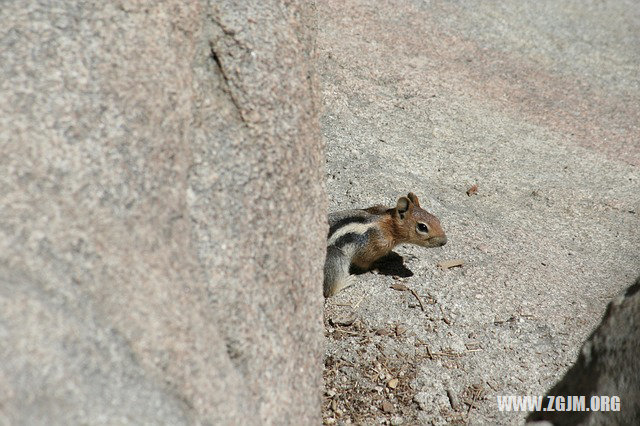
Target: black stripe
633,289
347,220
351,238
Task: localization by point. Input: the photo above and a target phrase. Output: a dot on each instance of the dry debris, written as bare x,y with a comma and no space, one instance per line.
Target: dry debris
448,264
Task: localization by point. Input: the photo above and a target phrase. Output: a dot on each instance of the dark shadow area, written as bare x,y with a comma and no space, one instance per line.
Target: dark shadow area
391,264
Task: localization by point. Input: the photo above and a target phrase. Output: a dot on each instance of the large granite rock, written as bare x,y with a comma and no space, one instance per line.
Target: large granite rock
608,365
162,214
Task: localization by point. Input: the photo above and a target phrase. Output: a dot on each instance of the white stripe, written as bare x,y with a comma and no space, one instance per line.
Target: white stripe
349,250
350,228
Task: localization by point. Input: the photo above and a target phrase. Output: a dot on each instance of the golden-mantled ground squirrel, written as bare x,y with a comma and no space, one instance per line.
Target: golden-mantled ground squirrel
360,237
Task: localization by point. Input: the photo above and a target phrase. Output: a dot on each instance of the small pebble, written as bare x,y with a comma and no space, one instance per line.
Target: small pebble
387,407
397,420
483,248
453,400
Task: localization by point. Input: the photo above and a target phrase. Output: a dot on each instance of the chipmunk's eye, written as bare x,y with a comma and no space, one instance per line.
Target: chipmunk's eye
422,228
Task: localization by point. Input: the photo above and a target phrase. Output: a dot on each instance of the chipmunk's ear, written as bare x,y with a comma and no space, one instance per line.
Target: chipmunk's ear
403,206
413,199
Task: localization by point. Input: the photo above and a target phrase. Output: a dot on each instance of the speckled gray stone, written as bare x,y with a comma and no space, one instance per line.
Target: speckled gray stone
162,213
608,365
538,104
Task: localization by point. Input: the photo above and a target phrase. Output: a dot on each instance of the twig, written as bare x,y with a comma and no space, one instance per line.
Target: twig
402,287
473,401
448,354
444,317
359,301
353,333
448,264
417,297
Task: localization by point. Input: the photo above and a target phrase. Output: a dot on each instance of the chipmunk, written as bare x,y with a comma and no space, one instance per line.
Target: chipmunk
360,237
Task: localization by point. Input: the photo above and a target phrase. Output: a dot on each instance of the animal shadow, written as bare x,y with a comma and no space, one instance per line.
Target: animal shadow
391,264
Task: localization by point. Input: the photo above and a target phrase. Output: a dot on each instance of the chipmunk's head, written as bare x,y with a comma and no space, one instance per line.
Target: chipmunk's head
416,225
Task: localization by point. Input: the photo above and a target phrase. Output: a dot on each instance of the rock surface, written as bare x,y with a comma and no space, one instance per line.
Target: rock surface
608,365
162,215
537,104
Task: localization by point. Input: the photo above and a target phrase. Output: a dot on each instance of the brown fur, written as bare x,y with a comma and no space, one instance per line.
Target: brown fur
377,209
378,246
397,226
391,226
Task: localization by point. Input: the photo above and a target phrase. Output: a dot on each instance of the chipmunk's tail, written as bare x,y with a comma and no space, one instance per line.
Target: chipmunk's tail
336,271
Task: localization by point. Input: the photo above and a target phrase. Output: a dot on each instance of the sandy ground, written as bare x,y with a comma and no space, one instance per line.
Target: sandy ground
537,103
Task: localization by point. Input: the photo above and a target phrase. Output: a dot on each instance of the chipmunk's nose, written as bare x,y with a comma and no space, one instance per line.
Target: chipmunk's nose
439,241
